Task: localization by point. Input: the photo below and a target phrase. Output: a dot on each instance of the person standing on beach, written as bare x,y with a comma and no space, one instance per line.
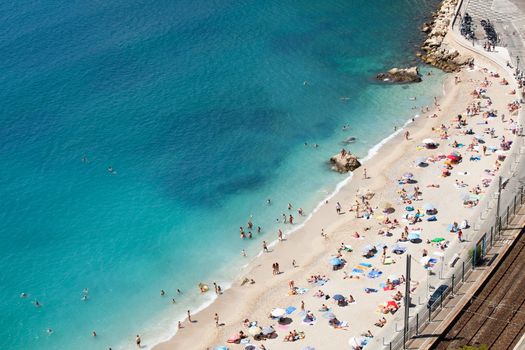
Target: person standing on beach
280,235
216,318
138,340
364,174
189,316
291,219
265,247
407,134
338,208
215,286
302,305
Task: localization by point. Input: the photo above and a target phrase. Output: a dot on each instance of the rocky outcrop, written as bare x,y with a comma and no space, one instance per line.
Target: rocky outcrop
344,162
436,50
400,75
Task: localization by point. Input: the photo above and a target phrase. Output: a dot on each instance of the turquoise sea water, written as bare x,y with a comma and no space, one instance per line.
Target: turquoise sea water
200,109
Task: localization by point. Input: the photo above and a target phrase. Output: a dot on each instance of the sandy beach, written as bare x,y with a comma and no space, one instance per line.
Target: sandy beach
406,177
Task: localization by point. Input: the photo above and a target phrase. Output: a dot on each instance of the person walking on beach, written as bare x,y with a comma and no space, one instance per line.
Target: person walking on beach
189,316
138,340
280,235
338,208
302,305
460,235
364,174
265,247
407,134
216,318
215,286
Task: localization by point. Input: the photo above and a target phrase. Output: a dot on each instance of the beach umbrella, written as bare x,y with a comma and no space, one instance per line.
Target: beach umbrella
338,297
397,249
437,240
413,236
424,260
367,248
278,312
429,206
254,330
329,315
381,245
420,160
268,330
408,176
336,262
465,196
428,141
356,341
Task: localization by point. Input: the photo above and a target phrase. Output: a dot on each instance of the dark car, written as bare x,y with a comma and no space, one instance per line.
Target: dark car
436,295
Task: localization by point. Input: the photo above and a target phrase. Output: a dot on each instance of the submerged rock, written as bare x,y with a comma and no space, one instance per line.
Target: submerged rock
400,75
344,162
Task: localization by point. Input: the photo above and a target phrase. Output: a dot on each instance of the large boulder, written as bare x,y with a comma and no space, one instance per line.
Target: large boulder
400,75
344,162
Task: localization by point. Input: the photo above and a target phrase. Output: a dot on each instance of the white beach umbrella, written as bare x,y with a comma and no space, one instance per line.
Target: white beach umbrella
278,312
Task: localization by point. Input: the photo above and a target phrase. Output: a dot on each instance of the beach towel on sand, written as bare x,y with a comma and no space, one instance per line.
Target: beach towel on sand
290,310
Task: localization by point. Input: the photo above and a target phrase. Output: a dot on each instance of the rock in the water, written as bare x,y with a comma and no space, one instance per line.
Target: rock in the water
400,75
344,162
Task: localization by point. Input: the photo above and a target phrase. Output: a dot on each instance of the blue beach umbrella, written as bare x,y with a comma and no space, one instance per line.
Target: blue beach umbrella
338,297
368,248
429,206
336,262
329,315
413,236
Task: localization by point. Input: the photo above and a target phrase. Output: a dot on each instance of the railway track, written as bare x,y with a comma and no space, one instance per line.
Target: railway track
496,316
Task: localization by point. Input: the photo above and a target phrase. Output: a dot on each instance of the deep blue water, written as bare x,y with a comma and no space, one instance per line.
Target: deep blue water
200,109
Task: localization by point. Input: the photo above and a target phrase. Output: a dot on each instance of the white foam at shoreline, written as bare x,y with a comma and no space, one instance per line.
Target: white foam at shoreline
370,154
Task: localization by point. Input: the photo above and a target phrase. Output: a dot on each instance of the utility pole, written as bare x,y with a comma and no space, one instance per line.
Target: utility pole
407,300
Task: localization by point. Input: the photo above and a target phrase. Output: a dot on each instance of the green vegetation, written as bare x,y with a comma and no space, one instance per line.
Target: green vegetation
470,347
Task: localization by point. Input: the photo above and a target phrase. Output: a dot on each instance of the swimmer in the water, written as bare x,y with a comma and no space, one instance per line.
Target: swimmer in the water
37,304
23,295
49,331
84,297
110,169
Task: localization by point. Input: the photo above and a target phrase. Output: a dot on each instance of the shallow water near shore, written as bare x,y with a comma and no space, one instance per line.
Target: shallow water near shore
202,113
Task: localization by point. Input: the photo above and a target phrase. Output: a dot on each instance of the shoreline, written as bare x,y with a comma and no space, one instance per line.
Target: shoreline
341,187
227,285
372,153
